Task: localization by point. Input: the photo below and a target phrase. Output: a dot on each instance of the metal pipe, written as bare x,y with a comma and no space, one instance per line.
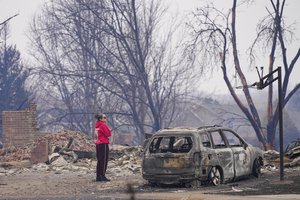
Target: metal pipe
280,123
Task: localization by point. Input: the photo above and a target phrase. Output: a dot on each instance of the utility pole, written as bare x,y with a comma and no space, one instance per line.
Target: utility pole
264,82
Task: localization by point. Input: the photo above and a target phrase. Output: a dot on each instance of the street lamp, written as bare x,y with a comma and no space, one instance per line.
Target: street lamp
264,81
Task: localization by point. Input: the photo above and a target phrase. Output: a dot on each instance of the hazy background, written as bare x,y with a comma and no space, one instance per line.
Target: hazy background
215,103
212,83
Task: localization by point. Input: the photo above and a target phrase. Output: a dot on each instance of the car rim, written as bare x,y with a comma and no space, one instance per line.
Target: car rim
215,176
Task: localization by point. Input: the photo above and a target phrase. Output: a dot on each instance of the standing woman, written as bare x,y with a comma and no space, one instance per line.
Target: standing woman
102,134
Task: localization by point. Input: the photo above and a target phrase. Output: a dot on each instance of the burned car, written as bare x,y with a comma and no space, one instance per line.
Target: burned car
293,149
210,154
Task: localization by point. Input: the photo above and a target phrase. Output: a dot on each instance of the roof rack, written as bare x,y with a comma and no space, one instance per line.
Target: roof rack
179,127
209,126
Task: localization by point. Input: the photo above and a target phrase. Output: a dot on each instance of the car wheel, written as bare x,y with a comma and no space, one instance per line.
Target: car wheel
256,171
215,176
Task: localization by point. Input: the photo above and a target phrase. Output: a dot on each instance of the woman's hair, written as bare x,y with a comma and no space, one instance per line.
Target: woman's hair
98,116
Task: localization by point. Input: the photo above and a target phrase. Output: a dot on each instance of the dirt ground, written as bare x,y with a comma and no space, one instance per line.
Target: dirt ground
30,184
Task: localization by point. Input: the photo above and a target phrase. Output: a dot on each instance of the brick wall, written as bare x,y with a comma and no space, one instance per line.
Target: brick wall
19,127
39,153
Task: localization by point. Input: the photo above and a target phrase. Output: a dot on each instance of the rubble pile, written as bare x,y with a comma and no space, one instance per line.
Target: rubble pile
70,151
15,154
57,141
124,160
291,157
272,160
80,141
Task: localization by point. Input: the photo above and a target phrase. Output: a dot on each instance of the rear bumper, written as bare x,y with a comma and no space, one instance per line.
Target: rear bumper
168,178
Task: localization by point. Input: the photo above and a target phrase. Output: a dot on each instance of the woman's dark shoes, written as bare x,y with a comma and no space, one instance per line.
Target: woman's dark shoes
98,178
102,179
105,179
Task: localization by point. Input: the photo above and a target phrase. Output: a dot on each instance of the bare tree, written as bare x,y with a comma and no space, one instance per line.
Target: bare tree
114,46
149,78
215,38
2,24
61,41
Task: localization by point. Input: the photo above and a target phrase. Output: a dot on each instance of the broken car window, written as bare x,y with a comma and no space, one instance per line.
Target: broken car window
217,139
171,144
205,140
232,139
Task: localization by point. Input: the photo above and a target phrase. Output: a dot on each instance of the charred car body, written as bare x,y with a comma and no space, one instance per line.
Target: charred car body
293,149
210,154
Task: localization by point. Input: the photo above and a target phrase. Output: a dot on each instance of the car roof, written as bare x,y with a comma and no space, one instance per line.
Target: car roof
180,130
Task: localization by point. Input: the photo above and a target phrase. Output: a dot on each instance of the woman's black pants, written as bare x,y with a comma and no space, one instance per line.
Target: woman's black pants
102,152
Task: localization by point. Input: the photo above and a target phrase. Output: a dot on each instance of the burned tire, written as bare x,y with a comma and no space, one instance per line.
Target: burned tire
215,176
257,165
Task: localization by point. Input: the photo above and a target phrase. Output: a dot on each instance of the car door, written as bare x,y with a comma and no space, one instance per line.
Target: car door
241,154
222,155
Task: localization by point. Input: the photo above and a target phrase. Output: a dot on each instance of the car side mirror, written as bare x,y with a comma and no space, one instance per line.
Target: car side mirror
245,146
